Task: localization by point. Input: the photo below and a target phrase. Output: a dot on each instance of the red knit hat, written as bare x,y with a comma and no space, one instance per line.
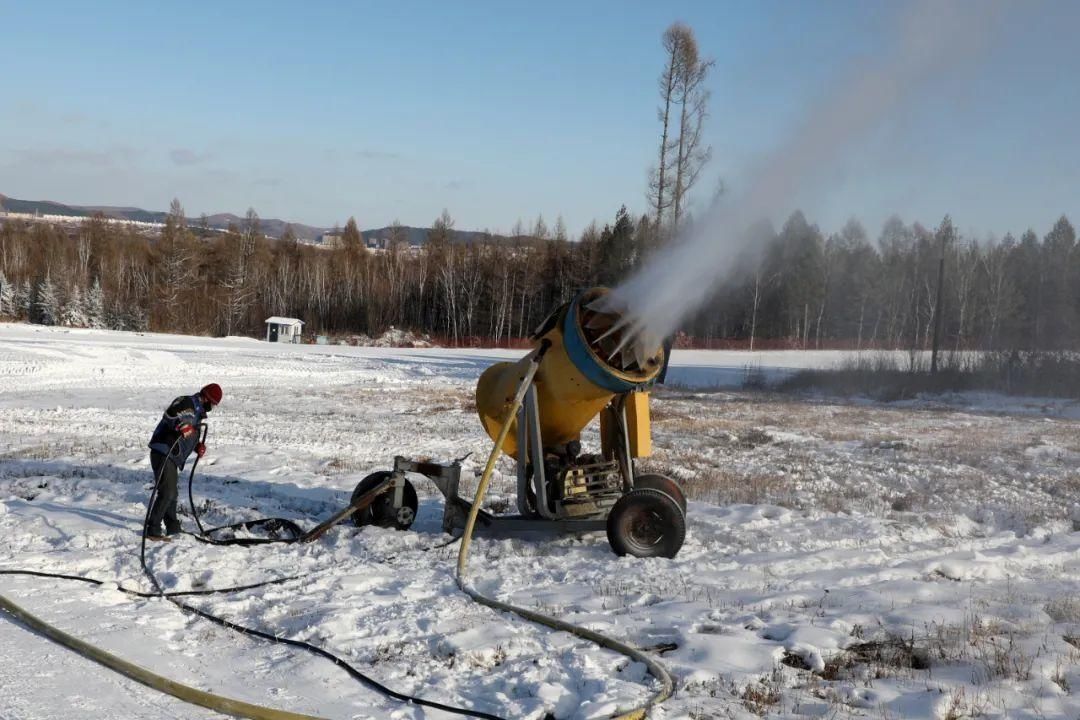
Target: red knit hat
212,392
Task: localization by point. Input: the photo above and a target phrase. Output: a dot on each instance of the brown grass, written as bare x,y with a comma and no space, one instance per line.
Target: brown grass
760,697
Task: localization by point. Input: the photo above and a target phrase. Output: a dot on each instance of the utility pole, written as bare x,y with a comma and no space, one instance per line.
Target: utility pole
938,310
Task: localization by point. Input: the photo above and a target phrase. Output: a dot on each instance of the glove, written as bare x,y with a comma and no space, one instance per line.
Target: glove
200,449
187,430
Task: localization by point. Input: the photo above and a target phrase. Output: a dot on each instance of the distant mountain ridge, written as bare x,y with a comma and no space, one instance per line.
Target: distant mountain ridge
220,221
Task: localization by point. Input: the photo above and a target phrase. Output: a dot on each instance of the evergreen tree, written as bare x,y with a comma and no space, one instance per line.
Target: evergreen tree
114,317
47,305
1027,274
95,306
1059,246
24,300
136,319
74,313
617,251
352,239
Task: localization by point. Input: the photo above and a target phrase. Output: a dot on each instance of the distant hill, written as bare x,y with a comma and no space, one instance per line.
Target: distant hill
45,207
270,226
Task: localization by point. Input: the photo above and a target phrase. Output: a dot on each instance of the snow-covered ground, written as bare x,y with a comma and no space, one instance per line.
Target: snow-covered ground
843,559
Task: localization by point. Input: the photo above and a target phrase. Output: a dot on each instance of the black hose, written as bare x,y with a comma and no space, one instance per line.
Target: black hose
171,597
272,525
352,671
142,594
191,478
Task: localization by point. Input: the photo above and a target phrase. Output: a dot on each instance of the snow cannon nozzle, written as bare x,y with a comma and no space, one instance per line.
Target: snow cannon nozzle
592,353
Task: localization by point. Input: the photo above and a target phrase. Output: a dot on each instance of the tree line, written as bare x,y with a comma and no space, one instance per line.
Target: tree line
801,288
191,280
797,287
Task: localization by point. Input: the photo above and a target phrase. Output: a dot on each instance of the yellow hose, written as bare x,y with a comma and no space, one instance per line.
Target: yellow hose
657,670
228,706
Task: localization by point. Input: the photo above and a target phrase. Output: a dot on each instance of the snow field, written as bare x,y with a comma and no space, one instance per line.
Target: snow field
854,559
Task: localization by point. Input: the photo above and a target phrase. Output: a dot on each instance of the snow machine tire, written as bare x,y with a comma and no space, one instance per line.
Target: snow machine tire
646,523
665,485
381,511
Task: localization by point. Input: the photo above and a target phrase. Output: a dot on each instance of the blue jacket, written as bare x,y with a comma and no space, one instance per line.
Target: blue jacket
184,410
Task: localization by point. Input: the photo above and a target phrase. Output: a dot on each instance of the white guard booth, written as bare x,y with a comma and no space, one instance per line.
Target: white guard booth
283,329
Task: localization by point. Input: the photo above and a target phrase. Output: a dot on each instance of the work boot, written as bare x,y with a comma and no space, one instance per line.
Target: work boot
159,538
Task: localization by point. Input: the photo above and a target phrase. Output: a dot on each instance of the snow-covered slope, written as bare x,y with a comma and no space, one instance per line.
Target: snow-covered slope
842,559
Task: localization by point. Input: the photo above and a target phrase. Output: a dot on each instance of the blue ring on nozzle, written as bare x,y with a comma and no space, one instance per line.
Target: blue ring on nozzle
578,352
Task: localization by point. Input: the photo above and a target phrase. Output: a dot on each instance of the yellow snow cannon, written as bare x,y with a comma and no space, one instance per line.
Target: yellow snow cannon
585,364
592,367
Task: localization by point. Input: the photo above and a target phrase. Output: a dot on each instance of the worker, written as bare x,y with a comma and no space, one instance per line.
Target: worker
175,438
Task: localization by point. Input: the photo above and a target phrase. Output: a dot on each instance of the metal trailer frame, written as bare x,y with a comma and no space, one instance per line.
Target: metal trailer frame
447,478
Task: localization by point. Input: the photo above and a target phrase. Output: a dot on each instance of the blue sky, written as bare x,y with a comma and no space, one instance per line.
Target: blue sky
503,110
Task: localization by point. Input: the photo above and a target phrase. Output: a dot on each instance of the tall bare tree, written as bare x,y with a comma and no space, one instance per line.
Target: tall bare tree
240,293
692,97
177,258
674,40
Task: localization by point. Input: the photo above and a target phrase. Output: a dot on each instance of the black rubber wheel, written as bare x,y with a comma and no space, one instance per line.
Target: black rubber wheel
382,512
664,484
646,523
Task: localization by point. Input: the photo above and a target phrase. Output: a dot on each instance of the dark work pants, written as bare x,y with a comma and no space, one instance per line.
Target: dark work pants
165,502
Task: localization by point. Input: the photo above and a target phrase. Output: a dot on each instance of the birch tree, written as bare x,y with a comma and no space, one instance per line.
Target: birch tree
7,297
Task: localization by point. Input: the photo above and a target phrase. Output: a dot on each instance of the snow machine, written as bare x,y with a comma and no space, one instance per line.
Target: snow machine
581,367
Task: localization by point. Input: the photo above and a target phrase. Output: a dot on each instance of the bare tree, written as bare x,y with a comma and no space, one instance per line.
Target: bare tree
540,229
241,247
443,254
995,268
177,256
692,98
396,272
965,269
757,291
675,37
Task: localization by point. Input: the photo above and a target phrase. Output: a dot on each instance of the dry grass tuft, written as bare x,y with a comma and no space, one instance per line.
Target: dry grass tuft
1063,609
760,697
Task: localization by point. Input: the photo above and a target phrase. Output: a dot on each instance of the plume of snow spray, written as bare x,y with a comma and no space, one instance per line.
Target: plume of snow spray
931,36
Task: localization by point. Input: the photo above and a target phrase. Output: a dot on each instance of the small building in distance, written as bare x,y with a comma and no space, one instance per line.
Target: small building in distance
331,239
375,242
283,329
